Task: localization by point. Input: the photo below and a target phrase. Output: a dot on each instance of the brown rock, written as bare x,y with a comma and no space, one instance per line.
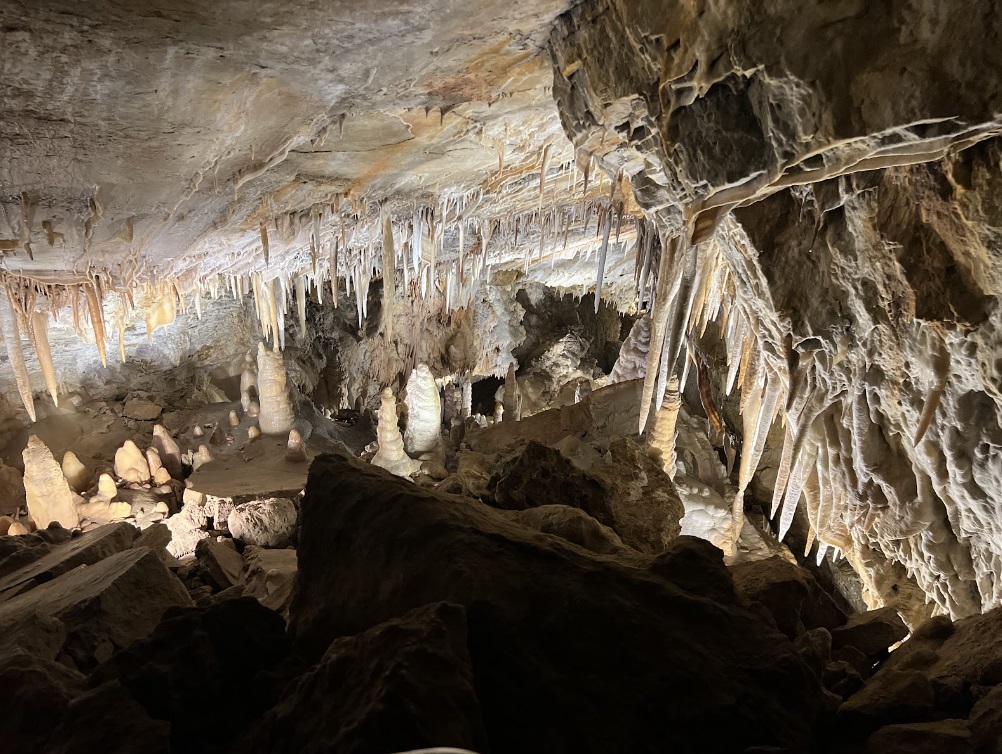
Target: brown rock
374,547
104,606
419,692
940,737
871,632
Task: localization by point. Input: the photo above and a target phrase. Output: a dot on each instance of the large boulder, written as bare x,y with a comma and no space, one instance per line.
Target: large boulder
104,607
625,490
204,670
570,651
85,549
265,523
402,685
790,593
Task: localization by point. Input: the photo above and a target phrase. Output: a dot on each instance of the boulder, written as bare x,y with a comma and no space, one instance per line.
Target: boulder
109,720
104,606
626,491
573,525
269,577
265,523
402,685
141,409
219,563
204,671
34,695
986,723
871,632
790,593
85,549
891,696
940,737
587,654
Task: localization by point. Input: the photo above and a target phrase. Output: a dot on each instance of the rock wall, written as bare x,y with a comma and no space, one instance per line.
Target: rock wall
829,217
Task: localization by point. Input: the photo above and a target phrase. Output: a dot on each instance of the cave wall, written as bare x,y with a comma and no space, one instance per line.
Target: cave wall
837,210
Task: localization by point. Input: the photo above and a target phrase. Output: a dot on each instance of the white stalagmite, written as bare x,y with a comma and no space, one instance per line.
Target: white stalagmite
75,472
391,455
168,450
38,328
512,395
632,361
131,464
295,449
424,413
46,490
248,382
663,429
276,417
12,340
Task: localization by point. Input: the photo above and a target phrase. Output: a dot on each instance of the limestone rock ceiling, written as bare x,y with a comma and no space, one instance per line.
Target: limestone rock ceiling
162,140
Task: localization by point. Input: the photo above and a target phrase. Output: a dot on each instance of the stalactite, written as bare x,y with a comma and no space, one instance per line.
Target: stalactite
389,278
301,304
38,328
15,350
96,320
602,255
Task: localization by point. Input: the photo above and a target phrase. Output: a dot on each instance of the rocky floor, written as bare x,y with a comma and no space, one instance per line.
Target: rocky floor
370,614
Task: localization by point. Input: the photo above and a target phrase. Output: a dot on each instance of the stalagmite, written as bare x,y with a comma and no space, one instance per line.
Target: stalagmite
234,420
197,431
391,455
498,412
424,413
254,409
131,464
253,432
512,395
663,431
153,461
17,529
295,450
168,450
47,493
248,382
75,473
106,487
38,329
631,363
15,351
276,417
200,458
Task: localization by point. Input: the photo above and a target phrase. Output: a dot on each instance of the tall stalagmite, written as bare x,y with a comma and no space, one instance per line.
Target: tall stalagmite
276,416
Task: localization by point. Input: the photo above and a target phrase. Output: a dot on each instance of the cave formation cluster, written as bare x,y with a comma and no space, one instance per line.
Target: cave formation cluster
616,375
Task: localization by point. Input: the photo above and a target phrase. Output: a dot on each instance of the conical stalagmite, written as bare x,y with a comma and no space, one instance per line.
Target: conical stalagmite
168,450
391,455
75,472
47,492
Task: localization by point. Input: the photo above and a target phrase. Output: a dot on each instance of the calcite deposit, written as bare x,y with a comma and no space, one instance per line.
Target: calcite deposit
593,376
